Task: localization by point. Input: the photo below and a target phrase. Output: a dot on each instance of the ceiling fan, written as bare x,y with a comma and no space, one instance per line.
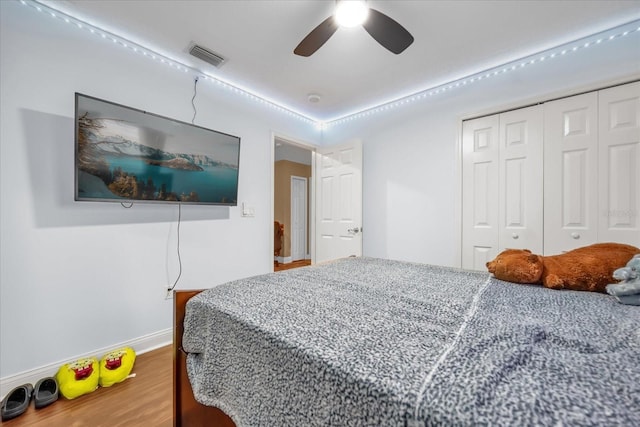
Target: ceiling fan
351,13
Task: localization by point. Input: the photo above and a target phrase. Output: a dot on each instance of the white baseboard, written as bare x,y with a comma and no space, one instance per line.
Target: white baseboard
141,345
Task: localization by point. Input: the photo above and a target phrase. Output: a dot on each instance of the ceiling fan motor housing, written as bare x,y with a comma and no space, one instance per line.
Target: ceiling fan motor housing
385,30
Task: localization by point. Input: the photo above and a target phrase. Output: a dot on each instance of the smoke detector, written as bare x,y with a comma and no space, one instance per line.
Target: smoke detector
313,98
206,55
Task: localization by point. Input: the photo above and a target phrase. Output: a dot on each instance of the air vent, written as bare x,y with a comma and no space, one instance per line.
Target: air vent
206,55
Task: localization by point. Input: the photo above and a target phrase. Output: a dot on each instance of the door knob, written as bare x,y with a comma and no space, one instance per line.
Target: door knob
354,230
575,235
515,236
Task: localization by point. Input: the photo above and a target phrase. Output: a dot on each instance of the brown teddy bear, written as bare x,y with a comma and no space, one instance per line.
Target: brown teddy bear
589,268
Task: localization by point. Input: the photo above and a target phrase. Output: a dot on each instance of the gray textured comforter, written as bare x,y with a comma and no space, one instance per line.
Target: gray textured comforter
370,342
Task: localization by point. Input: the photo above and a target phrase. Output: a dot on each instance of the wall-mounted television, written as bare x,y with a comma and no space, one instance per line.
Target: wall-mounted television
128,155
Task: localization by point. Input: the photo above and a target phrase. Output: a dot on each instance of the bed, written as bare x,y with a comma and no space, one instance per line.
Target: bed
372,342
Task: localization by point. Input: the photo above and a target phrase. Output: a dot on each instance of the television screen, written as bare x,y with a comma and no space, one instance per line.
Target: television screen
124,154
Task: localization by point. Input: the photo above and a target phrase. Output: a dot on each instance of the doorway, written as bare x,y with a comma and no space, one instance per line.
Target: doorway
299,209
292,210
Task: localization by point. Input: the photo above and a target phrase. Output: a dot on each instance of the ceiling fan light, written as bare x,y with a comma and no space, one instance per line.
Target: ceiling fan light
351,13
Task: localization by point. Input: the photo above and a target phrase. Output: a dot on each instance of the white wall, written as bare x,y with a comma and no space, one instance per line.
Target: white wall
411,186
80,276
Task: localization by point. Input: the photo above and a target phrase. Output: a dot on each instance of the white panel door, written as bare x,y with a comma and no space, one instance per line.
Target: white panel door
570,173
298,218
520,180
619,164
480,154
339,201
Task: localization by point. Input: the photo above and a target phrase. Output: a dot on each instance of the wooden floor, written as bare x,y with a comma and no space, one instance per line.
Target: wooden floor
294,264
146,400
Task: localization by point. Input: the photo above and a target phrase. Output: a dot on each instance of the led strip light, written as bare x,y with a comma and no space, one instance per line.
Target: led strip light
617,33
632,28
163,59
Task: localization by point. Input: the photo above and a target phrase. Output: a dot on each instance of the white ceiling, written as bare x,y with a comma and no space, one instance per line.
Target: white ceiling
351,71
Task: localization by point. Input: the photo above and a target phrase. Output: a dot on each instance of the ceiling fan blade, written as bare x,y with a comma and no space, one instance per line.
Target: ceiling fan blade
316,38
387,32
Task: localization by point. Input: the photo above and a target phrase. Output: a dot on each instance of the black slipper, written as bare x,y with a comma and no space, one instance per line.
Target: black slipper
45,392
16,402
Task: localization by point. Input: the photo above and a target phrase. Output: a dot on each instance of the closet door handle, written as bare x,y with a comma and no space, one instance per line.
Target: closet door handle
575,235
515,236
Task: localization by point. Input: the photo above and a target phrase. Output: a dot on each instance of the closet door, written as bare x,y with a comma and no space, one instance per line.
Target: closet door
570,173
480,155
619,162
520,180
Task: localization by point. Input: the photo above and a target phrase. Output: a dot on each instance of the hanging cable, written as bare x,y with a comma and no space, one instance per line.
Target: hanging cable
178,250
195,111
195,92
